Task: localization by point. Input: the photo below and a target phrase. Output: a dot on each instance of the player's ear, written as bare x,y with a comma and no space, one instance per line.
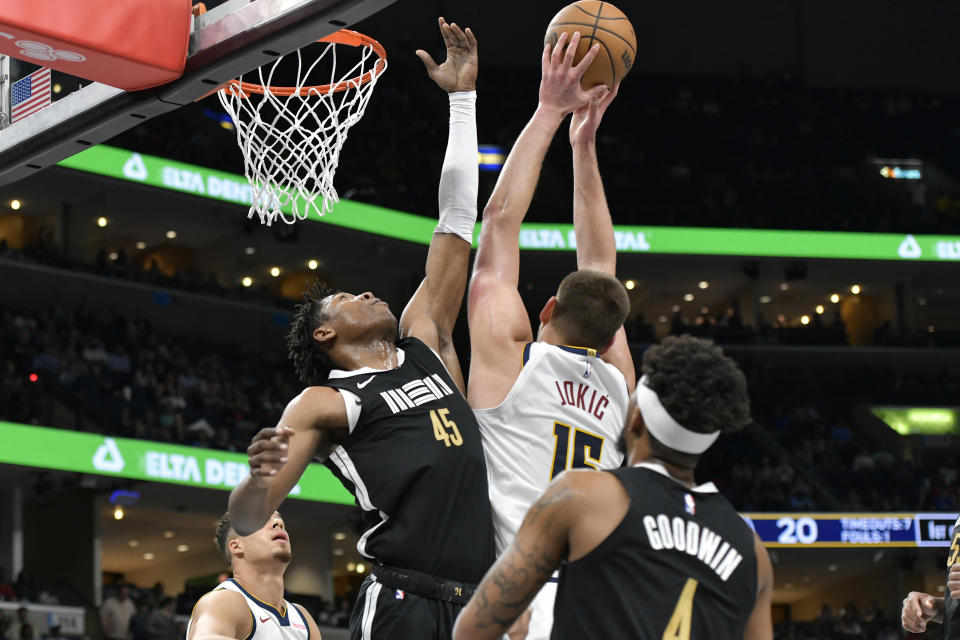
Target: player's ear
547,312
324,334
235,547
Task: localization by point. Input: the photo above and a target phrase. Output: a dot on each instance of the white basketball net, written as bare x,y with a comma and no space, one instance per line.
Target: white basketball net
291,144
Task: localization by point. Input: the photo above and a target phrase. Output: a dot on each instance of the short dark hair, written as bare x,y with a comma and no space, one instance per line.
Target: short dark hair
699,386
222,537
591,308
311,362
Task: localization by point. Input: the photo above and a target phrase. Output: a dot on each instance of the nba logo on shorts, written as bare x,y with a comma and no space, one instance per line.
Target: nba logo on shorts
400,594
689,505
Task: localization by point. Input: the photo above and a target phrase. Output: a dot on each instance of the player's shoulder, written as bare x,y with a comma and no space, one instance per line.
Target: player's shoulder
317,402
588,488
222,602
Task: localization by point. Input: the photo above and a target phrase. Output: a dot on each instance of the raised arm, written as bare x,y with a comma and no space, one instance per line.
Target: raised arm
498,321
432,311
279,456
593,226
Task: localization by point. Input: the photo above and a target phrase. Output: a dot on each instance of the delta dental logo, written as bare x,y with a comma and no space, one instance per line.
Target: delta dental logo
108,458
166,466
910,248
135,168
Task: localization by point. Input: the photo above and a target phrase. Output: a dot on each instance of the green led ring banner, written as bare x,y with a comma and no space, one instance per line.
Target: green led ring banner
920,421
63,450
228,187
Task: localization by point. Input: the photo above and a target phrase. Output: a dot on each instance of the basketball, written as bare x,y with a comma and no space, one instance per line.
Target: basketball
603,23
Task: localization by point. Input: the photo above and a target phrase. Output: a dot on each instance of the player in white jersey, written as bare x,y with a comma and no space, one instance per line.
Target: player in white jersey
250,605
560,402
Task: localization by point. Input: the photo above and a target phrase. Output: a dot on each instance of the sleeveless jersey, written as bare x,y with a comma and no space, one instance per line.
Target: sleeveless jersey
565,410
268,623
680,564
951,613
415,465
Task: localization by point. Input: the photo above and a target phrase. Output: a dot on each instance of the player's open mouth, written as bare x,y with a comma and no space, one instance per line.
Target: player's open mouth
281,535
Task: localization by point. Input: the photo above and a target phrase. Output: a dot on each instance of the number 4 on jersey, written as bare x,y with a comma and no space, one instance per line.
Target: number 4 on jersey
679,626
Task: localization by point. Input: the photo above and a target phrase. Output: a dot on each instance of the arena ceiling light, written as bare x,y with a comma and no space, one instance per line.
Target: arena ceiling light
630,285
275,272
15,205
102,222
765,299
247,281
784,286
339,535
819,309
118,513
141,245
182,548
171,234
250,251
688,297
835,298
133,543
312,265
169,534
148,556
804,320
855,289
703,284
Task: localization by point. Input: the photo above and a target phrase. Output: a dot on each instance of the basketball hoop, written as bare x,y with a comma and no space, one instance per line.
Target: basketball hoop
291,136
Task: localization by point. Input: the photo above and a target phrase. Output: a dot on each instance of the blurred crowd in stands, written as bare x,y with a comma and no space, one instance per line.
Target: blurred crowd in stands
118,265
111,374
846,623
754,152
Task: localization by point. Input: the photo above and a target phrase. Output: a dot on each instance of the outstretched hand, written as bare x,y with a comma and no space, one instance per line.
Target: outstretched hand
586,119
459,71
560,88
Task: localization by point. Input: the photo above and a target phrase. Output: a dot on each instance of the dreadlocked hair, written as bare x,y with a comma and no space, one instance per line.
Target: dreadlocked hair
311,362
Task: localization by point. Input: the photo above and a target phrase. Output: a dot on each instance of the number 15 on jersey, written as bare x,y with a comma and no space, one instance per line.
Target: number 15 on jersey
586,447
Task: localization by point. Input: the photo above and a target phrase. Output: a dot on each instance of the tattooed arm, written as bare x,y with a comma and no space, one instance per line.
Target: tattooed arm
542,543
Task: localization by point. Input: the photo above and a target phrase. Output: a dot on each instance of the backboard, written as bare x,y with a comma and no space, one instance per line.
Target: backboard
225,42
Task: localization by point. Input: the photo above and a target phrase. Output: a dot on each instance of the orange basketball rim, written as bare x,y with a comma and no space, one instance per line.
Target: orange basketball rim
344,36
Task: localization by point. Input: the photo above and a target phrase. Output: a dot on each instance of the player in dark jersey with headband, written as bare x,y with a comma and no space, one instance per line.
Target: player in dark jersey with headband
643,552
389,416
920,608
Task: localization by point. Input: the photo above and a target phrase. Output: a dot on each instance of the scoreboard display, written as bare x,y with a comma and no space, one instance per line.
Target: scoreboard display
803,530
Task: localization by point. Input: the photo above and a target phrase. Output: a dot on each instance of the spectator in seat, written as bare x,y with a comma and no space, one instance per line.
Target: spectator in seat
115,614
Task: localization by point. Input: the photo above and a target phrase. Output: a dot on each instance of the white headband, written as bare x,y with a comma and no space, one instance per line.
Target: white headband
667,430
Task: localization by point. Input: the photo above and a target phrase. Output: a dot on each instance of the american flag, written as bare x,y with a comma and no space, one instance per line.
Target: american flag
30,94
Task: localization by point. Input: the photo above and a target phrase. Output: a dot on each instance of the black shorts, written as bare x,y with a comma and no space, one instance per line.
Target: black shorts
382,613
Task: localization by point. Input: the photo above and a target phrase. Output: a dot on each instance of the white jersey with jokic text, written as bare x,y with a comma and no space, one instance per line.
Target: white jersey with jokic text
565,411
269,623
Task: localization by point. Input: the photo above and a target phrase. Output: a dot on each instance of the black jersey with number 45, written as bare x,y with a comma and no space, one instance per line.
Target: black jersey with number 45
681,564
414,463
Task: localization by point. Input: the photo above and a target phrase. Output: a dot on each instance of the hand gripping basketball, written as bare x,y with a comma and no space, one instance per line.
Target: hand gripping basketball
560,89
459,71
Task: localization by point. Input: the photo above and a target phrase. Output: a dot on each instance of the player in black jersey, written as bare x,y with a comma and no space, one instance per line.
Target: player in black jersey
920,608
643,552
388,415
